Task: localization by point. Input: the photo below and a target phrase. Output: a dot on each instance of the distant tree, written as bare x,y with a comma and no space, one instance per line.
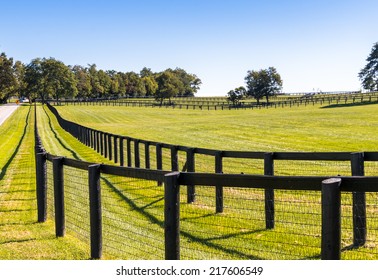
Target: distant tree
34,80
263,83
97,89
236,95
169,85
369,74
83,80
8,81
190,83
105,83
150,85
146,72
58,79
19,73
134,84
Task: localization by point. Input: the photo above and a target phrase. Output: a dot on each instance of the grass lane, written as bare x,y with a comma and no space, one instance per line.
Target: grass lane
21,237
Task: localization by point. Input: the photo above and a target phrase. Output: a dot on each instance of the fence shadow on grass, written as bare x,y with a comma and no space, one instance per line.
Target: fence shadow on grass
73,153
364,103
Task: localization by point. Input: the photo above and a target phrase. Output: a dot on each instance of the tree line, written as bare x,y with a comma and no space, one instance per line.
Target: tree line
50,78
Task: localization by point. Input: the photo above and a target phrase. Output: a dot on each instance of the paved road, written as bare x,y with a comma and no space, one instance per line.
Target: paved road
6,111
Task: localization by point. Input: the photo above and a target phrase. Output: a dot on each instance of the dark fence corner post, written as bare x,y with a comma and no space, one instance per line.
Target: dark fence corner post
95,210
172,216
331,219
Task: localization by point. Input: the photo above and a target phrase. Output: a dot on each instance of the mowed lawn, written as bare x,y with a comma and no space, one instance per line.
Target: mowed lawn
311,128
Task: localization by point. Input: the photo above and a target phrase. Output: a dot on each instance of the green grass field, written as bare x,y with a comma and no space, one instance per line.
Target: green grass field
21,237
311,128
133,209
235,237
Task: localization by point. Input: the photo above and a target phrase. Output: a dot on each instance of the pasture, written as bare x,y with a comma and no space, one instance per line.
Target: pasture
312,128
288,241
238,233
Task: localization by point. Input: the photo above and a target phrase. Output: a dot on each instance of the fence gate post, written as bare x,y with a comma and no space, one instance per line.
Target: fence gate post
60,224
41,187
218,189
95,210
190,161
331,219
359,202
269,192
172,216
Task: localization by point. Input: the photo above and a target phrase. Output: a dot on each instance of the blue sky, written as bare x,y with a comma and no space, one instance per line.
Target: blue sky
314,45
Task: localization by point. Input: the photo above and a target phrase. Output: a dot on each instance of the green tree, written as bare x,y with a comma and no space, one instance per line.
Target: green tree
236,95
97,88
34,80
58,79
168,86
369,74
190,83
8,81
150,85
83,79
263,83
134,84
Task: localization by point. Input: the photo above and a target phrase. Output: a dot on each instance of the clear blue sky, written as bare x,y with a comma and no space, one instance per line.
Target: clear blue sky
313,44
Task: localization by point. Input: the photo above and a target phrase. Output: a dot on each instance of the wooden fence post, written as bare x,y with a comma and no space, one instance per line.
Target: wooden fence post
60,227
359,202
95,210
41,187
106,136
110,147
121,154
147,155
136,153
190,162
269,192
115,147
159,159
172,216
218,189
174,159
331,219
128,148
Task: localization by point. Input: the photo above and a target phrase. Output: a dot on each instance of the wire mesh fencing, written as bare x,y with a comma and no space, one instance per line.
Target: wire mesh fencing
76,199
133,222
240,230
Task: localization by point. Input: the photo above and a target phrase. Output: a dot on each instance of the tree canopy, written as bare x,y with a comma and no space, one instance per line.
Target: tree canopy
50,78
369,74
263,83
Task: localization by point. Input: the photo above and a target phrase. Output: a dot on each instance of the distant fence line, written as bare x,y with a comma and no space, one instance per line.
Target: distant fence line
221,104
175,222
